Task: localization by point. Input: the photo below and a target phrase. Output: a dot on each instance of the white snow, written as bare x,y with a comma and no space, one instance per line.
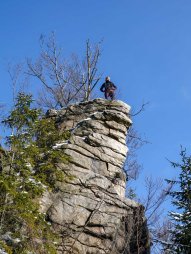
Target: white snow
25,192
58,145
17,240
32,180
95,113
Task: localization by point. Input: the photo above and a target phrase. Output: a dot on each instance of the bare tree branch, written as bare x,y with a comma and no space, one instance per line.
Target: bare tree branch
140,110
134,142
64,81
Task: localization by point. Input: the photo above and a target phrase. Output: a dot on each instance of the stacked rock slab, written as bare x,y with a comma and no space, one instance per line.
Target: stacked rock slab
90,210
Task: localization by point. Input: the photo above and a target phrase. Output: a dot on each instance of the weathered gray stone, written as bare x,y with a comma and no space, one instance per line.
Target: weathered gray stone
90,209
116,126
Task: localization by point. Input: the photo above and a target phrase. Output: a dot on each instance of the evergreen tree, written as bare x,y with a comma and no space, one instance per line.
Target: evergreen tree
29,167
181,233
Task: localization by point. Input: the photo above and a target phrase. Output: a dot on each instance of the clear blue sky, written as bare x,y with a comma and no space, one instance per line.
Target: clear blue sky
146,51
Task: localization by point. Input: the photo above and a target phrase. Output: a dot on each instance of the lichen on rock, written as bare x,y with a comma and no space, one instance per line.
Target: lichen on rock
90,211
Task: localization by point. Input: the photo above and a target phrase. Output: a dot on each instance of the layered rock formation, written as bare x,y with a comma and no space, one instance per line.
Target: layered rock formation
90,210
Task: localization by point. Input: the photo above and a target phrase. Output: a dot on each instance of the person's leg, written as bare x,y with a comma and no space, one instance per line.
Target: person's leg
112,95
106,95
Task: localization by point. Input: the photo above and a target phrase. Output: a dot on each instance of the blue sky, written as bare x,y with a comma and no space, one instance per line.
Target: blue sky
146,51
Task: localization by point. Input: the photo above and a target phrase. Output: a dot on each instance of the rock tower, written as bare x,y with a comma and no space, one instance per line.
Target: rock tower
90,210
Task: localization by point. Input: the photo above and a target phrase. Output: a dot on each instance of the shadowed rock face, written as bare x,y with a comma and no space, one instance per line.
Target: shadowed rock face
90,210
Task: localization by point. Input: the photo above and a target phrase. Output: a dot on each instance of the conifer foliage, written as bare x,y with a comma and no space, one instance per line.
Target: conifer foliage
29,167
181,233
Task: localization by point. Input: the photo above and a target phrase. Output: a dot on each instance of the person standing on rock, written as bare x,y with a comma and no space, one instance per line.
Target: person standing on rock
108,88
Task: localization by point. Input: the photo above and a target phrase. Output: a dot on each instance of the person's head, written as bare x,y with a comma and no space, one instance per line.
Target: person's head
107,78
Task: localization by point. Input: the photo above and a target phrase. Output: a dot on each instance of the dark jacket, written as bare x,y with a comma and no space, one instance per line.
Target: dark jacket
107,85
